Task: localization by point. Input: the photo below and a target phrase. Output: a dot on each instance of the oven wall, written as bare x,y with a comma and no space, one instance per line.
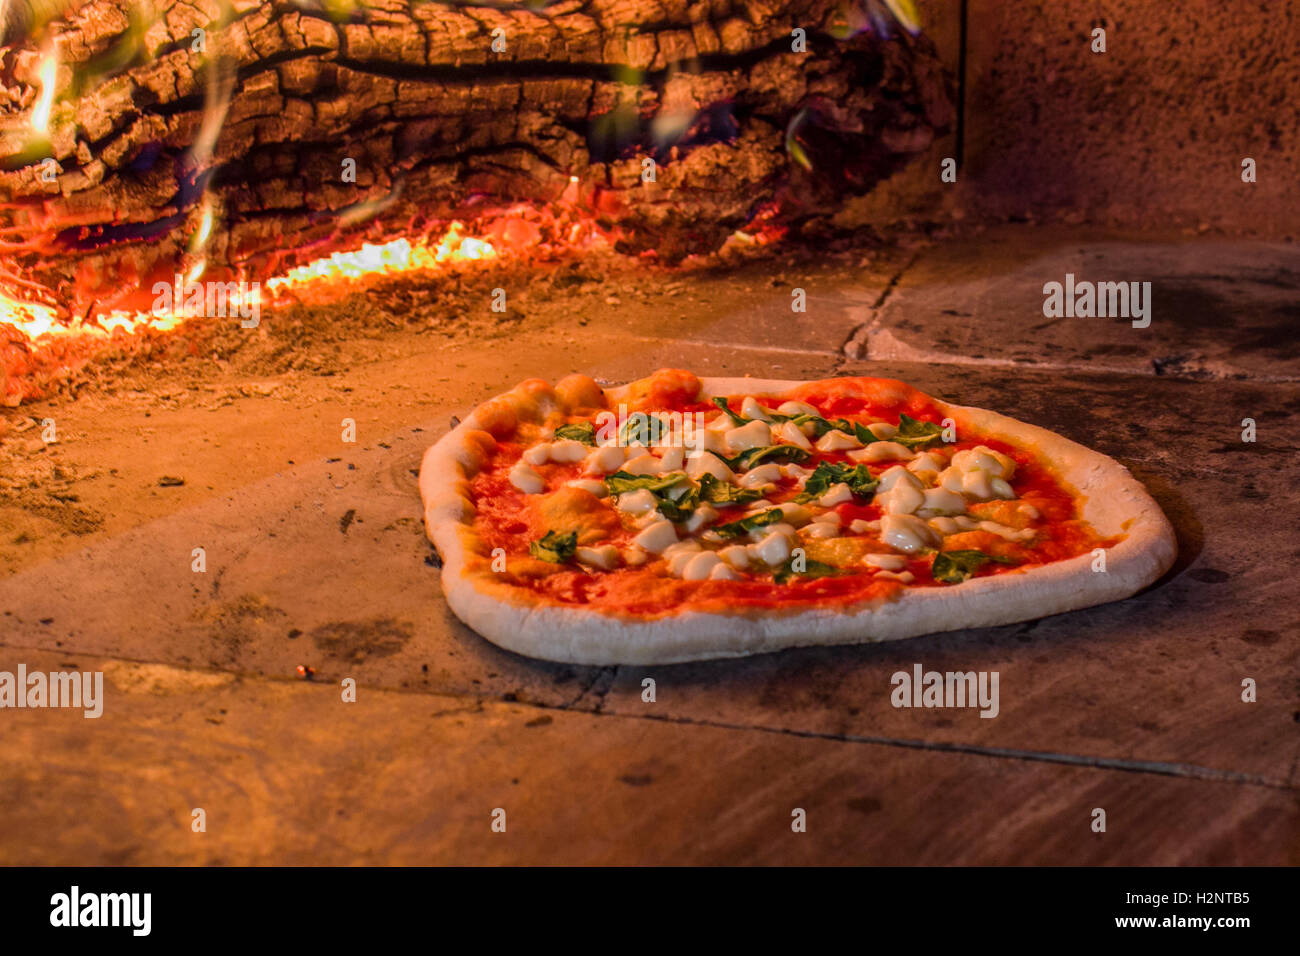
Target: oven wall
1151,134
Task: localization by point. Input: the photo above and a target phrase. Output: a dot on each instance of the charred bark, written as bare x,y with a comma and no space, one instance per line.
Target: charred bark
255,115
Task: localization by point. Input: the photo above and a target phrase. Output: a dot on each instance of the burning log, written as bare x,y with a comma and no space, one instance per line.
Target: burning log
250,137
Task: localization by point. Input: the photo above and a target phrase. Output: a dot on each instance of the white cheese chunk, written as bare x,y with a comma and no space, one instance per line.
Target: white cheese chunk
829,517
597,488
708,464
902,499
751,435
677,561
604,460
686,546
944,525
1029,511
941,501
702,440
836,494
907,577
643,465
926,461
881,451
762,475
907,533
859,526
721,572
635,557
821,529
789,432
977,484
795,472
605,557
897,475
1002,531
699,567
736,555
883,429
672,459
638,502
703,515
1001,488
526,480
567,450
795,513
656,537
836,440
772,550
538,454
784,530
751,409
797,408
891,562
720,424
983,458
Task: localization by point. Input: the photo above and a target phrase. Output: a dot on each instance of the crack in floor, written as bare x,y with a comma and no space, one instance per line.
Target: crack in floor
475,703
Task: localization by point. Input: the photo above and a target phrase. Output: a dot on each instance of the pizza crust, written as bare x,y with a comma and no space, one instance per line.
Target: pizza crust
1111,500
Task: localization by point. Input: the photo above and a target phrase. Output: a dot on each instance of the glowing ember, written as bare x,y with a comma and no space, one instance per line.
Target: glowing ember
35,321
390,257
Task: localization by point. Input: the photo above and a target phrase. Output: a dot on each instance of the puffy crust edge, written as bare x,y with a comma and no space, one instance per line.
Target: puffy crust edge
1113,502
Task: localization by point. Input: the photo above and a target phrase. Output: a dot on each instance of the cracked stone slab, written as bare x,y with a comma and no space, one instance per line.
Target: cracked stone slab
1219,309
285,772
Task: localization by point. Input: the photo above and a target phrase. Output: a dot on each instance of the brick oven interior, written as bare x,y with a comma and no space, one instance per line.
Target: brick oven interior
223,686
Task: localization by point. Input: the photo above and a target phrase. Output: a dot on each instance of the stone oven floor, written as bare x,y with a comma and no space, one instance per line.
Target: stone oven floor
316,557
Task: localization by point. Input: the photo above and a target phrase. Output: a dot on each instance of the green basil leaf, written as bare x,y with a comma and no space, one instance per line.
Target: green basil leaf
622,481
751,457
554,547
811,569
858,478
584,432
642,427
678,509
737,418
734,529
954,567
915,434
724,493
864,434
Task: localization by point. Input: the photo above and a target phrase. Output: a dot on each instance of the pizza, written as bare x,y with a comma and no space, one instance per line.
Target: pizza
679,518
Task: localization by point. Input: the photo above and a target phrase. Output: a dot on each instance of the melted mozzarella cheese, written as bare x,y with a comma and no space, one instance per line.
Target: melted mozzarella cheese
836,494
772,550
789,432
526,480
567,450
700,566
637,502
604,557
881,451
602,461
762,475
656,537
751,435
907,533
750,408
836,440
596,488
708,464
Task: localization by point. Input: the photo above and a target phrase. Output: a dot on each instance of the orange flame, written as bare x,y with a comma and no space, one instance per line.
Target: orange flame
45,102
